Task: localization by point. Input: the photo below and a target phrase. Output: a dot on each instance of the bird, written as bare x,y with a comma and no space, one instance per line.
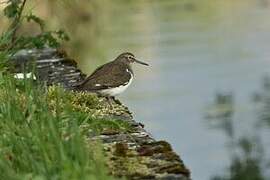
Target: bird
112,78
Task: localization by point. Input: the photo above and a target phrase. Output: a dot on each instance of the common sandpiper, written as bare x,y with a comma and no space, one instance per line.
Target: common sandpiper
113,78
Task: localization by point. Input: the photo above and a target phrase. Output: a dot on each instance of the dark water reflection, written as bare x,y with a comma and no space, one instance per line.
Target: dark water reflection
195,48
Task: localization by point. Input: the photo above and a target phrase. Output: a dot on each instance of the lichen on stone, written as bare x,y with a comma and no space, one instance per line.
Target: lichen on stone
123,160
96,107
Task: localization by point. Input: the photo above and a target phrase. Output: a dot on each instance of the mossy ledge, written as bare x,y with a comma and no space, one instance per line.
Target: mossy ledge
130,151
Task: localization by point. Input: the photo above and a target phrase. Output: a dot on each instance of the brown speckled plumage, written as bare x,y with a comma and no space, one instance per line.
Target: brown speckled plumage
111,75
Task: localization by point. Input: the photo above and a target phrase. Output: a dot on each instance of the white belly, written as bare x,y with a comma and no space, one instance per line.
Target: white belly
117,90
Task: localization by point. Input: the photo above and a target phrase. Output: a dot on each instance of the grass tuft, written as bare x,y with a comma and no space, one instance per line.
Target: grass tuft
42,135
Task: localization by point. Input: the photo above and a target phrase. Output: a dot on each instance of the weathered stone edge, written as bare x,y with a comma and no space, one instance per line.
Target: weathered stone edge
151,159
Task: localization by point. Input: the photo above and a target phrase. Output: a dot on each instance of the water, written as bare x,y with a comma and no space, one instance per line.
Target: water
195,49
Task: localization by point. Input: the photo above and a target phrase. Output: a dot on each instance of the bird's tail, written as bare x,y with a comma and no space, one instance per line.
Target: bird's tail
74,86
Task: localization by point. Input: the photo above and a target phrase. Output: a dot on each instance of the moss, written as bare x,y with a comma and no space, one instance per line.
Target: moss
120,149
165,145
129,166
96,107
174,169
155,147
140,167
170,156
109,131
124,162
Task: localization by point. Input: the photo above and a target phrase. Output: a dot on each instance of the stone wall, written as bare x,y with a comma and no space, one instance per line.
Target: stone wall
134,154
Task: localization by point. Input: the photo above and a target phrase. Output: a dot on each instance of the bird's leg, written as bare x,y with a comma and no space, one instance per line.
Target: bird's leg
116,100
109,99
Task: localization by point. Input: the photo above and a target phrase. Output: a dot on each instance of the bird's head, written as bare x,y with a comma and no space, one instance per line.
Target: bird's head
129,58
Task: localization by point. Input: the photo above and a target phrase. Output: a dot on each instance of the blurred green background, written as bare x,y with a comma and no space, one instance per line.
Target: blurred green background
208,59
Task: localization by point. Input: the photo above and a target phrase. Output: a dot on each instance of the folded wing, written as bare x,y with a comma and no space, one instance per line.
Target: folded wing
107,76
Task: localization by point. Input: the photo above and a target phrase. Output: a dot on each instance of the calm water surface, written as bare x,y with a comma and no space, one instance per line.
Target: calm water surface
195,48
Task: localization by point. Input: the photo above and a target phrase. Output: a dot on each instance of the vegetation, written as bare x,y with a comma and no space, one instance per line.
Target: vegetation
44,132
247,152
41,135
9,39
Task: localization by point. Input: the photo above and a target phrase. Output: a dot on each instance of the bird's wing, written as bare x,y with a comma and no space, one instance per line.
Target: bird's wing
107,76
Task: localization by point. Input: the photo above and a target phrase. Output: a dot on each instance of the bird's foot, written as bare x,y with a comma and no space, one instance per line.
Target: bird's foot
110,101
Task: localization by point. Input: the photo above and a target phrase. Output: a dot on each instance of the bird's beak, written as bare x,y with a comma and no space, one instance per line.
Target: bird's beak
140,62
